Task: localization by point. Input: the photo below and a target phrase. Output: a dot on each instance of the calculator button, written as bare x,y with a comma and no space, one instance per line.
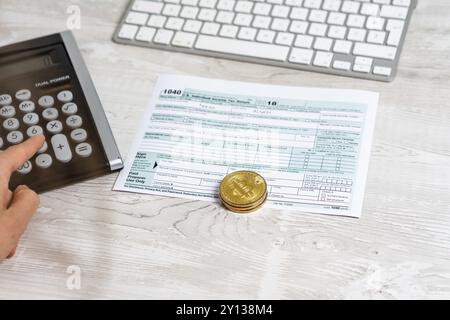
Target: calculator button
50,114
78,135
26,106
43,148
23,94
8,111
83,150
11,124
69,108
46,101
31,119
5,99
25,168
1,142
34,131
14,137
74,121
54,126
61,148
44,161
65,96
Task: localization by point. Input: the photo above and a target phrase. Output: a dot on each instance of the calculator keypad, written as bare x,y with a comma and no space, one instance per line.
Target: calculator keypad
55,116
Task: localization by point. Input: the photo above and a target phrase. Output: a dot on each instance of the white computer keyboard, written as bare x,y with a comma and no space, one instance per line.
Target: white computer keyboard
360,38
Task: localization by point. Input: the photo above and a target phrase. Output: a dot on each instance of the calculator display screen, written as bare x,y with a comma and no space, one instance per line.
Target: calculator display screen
28,64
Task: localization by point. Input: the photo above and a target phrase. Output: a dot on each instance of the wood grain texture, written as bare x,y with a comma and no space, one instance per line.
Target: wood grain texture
139,246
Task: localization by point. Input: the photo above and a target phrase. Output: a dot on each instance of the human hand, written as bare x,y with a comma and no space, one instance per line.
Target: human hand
18,206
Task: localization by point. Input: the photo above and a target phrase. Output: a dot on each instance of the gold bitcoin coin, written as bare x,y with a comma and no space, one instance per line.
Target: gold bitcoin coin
247,209
242,188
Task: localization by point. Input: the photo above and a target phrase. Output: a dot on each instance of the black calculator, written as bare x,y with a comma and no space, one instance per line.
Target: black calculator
45,88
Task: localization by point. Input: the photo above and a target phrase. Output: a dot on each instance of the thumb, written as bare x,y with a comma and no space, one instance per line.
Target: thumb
24,203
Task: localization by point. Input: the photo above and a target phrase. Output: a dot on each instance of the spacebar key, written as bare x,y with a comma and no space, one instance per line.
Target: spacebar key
243,48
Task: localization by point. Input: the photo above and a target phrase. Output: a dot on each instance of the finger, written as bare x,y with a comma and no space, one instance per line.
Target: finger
12,253
23,205
12,158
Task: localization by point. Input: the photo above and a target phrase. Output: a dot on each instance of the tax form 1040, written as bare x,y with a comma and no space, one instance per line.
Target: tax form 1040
311,145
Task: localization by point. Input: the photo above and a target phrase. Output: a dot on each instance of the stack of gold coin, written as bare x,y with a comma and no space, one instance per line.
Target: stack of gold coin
243,191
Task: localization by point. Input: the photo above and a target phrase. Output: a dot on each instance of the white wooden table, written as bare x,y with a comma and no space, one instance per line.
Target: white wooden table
140,246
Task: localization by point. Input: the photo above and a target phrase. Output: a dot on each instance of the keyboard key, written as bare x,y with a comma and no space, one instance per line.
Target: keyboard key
243,6
61,148
280,24
43,148
174,23
148,6
226,5
30,119
284,38
207,14
247,33
376,37
23,94
370,9
261,22
299,26
355,34
171,10
192,26
382,71
375,23
11,124
54,126
243,19
394,12
128,31
26,106
323,44
46,101
136,18
163,36
189,12
323,59
266,36
262,8
7,111
304,41
350,6
362,64
228,31
84,150
34,131
342,65
302,56
156,21
44,161
25,168
5,99
210,28
14,137
374,50
245,48
184,39
318,29
145,34
74,122
342,46
78,135
225,17
50,114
